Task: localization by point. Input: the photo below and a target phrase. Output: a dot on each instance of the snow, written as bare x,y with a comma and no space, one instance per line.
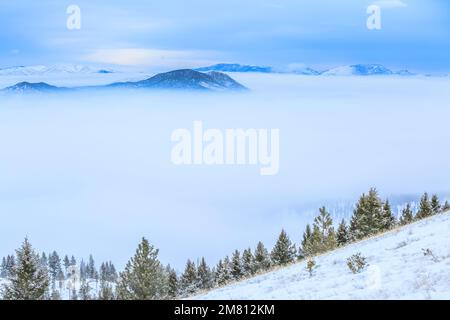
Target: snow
398,268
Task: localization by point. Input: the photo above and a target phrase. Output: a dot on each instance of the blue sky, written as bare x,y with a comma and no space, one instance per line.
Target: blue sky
166,34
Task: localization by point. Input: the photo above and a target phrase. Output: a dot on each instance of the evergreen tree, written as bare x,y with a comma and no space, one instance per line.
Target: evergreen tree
60,277
284,251
324,237
425,209
446,206
435,204
262,259
73,261
83,271
112,272
306,245
85,291
173,284
55,295
143,277
104,272
407,215
190,282
28,280
43,261
388,219
236,265
204,275
66,262
223,272
106,291
10,264
3,271
342,236
73,295
248,263
367,217
90,268
54,265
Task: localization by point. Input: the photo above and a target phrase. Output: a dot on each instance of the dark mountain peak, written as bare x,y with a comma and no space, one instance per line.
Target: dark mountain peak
32,87
225,80
185,79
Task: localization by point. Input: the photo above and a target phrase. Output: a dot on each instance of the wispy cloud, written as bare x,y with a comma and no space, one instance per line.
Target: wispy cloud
389,4
150,57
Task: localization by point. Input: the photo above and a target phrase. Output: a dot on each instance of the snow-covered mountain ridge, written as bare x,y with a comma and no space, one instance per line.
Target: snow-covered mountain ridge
45,70
412,262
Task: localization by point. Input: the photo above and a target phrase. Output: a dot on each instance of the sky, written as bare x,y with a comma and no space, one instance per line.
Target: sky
161,35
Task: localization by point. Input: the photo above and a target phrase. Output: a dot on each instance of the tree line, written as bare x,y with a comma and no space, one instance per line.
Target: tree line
31,276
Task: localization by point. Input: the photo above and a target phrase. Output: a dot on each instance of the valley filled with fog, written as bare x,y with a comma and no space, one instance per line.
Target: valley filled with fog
91,172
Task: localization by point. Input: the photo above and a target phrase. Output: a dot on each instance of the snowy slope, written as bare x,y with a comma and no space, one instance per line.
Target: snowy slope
358,70
397,269
45,70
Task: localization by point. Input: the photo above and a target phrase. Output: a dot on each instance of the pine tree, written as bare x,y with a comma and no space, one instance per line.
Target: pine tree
112,272
435,204
204,275
85,291
388,219
28,280
104,272
74,295
10,264
73,261
43,260
306,245
173,285
66,262
324,237
90,268
3,270
54,265
262,259
342,236
236,265
407,215
190,282
446,206
223,273
106,291
367,217
55,295
143,277
425,209
284,251
248,263
83,271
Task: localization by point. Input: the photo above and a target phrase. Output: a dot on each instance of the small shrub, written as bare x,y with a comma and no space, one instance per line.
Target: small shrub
310,265
356,263
428,253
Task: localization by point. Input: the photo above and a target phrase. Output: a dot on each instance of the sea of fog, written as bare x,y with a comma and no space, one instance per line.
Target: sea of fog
91,172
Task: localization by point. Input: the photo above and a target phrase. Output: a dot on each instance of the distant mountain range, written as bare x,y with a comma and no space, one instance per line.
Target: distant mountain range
234,67
185,79
51,70
351,70
348,70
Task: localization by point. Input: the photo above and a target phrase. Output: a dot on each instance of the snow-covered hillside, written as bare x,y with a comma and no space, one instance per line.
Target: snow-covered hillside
57,69
412,262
